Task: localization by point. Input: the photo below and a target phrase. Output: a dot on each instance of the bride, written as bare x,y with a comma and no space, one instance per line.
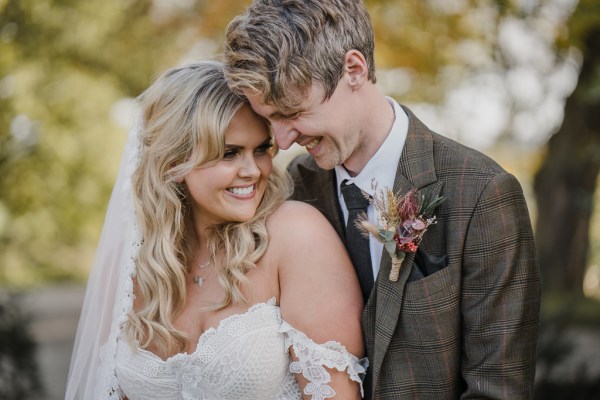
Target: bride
207,283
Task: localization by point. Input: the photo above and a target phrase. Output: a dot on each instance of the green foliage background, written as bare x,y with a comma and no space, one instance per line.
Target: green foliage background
65,63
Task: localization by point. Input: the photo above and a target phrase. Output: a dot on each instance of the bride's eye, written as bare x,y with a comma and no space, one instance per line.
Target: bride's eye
229,154
264,149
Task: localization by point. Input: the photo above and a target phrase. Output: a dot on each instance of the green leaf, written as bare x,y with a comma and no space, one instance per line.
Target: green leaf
390,247
388,235
428,203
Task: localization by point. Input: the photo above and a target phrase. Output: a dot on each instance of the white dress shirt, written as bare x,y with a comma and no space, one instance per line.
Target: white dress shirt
381,168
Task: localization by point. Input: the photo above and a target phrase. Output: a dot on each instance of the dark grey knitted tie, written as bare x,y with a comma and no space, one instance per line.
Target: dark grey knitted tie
357,242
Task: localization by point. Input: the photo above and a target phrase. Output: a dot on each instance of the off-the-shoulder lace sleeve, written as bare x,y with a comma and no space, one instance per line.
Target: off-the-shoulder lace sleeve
313,358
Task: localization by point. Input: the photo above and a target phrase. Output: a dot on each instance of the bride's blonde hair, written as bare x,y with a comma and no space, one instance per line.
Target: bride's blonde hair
187,108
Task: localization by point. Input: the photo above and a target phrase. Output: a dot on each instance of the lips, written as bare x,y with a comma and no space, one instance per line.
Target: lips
242,191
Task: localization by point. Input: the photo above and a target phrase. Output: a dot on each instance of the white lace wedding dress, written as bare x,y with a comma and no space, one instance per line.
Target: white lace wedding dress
245,357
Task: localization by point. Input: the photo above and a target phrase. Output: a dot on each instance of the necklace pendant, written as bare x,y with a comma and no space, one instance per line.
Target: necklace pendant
199,280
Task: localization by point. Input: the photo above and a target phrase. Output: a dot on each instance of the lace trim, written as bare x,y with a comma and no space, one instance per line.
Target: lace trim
232,325
231,322
313,358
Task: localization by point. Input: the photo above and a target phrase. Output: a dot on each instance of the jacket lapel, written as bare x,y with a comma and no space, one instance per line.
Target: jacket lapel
332,205
322,184
415,170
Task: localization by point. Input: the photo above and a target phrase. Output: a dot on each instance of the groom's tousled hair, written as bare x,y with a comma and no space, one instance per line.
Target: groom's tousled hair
277,48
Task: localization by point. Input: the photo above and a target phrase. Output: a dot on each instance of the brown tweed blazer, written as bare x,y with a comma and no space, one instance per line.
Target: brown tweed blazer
469,329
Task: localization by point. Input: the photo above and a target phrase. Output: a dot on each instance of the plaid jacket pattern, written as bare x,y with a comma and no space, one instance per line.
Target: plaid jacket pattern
470,329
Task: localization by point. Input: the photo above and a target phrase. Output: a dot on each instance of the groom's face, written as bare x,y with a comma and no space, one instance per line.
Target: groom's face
329,130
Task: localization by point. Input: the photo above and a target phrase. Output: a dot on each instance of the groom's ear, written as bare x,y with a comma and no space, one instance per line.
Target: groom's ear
356,68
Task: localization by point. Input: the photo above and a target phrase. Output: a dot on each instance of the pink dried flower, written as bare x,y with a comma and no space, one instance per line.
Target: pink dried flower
408,205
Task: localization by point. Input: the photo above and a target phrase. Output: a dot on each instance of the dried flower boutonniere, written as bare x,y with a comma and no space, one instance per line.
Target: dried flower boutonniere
403,220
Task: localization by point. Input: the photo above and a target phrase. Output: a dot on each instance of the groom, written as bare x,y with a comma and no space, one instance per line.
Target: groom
461,321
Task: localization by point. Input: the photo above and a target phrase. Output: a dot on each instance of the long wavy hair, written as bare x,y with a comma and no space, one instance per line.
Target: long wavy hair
187,108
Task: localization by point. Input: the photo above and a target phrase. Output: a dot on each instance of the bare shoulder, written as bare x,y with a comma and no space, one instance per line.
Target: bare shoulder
293,220
295,209
314,270
300,226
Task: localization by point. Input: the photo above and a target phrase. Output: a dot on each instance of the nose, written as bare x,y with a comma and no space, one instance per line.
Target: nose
284,133
248,167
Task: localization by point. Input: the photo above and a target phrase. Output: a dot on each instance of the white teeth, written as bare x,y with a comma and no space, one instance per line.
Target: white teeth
242,191
313,143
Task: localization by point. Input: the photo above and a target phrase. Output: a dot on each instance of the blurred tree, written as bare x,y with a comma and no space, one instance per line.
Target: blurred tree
63,66
566,182
445,43
423,39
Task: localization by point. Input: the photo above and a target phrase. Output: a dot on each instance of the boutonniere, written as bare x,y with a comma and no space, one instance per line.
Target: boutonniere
402,222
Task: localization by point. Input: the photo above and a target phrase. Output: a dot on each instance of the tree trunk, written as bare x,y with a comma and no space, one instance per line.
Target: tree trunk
566,182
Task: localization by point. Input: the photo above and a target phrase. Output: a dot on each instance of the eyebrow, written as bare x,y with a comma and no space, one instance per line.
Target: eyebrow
237,146
277,115
281,115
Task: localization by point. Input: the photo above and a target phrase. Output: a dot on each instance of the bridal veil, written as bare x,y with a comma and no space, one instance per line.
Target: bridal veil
108,296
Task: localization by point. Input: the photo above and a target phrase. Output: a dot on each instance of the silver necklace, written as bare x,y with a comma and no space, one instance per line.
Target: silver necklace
199,280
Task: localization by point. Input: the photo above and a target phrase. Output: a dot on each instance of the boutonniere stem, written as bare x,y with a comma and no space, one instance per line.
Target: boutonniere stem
396,263
402,222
